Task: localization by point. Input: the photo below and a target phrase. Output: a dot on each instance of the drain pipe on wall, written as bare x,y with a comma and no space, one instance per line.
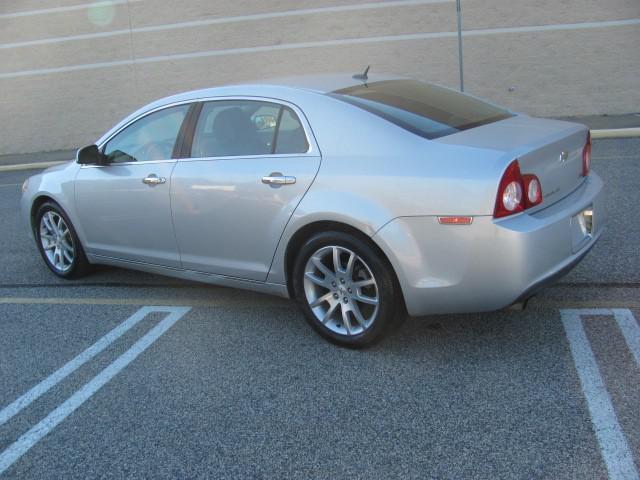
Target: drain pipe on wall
459,14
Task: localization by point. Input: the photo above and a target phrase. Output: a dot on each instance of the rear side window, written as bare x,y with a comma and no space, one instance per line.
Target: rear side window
425,109
247,127
291,137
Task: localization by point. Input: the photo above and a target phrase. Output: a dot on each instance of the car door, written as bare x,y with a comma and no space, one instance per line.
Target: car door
250,164
124,205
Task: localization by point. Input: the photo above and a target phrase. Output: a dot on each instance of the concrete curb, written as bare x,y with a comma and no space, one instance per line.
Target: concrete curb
29,166
601,133
616,133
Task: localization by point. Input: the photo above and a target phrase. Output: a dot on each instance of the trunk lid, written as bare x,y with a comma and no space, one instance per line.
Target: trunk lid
549,149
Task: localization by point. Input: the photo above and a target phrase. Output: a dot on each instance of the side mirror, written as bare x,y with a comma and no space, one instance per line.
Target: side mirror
90,155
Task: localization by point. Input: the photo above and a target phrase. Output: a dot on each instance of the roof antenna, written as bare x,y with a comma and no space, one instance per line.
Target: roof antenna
362,76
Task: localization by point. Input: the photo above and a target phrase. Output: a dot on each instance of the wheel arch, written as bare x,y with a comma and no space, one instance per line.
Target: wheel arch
66,206
37,203
80,265
307,231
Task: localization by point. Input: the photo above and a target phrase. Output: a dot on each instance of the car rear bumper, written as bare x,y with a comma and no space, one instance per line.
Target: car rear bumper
491,263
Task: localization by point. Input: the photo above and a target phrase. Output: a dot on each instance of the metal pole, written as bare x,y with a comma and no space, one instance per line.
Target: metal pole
458,12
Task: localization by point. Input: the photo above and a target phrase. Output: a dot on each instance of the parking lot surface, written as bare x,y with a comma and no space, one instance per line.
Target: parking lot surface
128,375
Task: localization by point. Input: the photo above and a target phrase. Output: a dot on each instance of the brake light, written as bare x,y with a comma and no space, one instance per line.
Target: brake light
586,156
509,200
516,192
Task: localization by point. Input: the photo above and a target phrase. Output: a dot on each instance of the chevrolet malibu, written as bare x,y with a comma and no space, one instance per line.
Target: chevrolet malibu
363,198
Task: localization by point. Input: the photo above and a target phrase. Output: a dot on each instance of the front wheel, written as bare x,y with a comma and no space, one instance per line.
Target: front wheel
58,242
346,290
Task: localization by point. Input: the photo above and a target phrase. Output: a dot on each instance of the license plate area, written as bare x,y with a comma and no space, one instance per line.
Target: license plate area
581,228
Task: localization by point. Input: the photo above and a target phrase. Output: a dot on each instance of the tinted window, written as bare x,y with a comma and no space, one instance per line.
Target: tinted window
150,138
291,137
247,127
427,110
235,127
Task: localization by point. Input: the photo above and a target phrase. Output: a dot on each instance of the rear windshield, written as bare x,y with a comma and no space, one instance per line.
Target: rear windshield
422,108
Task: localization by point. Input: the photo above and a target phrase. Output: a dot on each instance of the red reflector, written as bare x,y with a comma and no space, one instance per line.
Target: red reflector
455,220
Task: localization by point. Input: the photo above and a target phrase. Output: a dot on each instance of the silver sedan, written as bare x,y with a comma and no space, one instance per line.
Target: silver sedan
362,198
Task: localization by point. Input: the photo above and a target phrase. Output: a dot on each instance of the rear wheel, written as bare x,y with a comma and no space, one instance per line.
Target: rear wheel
345,289
58,242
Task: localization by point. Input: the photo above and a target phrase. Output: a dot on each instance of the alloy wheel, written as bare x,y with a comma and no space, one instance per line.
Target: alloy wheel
341,290
57,241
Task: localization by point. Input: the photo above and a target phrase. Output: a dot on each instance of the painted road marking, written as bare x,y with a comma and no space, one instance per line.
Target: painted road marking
268,301
30,166
56,377
615,132
613,444
38,431
630,330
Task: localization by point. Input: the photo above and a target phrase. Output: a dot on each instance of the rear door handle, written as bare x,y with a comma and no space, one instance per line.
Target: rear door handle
278,179
153,179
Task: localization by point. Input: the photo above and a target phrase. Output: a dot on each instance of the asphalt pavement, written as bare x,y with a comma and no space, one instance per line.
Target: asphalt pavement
219,383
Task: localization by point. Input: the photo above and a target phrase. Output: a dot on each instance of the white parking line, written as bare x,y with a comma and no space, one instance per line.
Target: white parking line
63,372
38,431
630,330
613,444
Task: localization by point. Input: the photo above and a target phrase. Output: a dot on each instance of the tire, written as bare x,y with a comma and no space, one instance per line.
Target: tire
354,307
58,242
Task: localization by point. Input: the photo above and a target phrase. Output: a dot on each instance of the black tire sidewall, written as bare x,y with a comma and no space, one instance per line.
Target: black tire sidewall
80,262
381,270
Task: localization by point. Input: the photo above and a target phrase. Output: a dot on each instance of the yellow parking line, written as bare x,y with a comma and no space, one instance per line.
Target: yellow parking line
616,133
274,302
267,302
616,157
30,166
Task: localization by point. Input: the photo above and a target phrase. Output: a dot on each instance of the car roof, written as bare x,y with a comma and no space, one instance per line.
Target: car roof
282,87
325,83
321,84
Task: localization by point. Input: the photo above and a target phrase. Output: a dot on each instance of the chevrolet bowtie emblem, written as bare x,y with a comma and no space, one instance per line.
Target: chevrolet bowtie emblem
564,156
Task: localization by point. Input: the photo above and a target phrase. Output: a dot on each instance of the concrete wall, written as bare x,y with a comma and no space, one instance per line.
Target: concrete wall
68,71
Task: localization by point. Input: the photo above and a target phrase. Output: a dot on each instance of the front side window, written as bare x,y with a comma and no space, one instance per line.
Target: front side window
228,128
150,138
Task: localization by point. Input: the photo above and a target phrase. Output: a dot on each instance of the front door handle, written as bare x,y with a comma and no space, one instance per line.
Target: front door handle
153,179
277,178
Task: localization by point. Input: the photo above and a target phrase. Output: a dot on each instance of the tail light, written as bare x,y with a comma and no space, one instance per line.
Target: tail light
510,192
516,192
534,190
586,156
